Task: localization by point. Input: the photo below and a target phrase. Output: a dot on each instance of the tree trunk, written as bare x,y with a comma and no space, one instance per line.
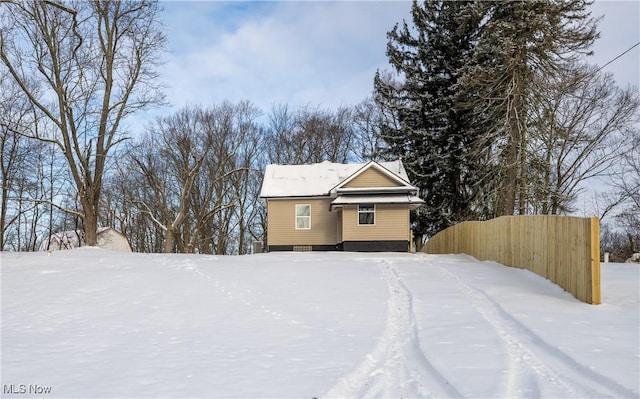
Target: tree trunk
515,137
90,225
3,213
168,242
522,178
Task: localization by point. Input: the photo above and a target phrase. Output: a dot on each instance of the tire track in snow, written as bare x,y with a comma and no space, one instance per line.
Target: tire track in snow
396,367
531,358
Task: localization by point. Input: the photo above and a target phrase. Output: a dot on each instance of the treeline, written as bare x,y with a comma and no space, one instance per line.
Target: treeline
191,183
491,105
188,183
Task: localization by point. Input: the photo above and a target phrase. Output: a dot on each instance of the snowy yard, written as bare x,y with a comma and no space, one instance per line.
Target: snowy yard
100,324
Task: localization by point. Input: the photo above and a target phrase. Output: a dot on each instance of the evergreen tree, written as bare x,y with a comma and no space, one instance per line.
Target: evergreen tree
517,40
431,134
459,111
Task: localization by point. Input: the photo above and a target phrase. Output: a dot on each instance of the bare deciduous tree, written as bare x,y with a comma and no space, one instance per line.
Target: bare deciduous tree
367,123
13,148
583,129
628,186
170,159
310,135
201,173
94,64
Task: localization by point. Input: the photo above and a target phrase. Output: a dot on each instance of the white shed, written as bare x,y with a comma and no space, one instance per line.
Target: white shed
108,238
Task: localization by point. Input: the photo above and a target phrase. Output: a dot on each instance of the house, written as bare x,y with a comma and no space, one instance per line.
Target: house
329,206
108,238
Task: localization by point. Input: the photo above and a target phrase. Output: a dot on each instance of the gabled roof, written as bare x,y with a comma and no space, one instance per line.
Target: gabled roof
322,179
393,176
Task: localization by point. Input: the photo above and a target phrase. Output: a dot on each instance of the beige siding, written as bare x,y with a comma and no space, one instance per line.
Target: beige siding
391,223
281,223
372,177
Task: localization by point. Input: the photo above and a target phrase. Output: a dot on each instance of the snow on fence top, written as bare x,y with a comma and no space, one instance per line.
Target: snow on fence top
316,179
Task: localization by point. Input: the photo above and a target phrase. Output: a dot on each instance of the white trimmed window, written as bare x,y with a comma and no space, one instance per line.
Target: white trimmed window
303,217
366,214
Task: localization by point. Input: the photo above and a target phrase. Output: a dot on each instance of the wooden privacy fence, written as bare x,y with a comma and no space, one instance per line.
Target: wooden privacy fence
565,250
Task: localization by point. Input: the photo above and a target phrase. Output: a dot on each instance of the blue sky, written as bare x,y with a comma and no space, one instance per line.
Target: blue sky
318,53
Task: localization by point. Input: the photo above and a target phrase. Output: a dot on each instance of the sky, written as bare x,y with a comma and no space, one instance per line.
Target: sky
319,53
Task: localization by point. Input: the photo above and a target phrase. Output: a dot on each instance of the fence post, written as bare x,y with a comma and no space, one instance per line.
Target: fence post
595,261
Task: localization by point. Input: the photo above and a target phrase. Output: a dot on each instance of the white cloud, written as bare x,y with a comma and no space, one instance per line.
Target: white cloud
318,53
289,52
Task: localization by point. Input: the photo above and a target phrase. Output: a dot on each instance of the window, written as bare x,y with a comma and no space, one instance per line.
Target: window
303,217
366,214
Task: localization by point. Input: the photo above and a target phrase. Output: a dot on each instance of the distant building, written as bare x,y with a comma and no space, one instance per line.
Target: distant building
108,238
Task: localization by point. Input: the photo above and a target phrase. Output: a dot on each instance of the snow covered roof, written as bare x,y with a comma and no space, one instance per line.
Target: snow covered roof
317,179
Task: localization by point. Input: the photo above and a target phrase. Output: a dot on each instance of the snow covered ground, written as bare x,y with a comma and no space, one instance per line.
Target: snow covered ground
99,324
